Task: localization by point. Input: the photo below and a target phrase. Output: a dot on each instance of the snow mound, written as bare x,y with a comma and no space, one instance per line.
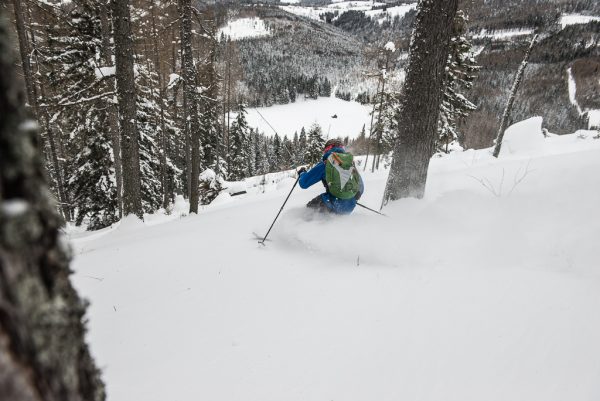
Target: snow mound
523,137
222,198
130,223
593,119
180,206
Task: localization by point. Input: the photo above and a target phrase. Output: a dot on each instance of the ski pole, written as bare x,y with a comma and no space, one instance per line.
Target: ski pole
368,208
286,199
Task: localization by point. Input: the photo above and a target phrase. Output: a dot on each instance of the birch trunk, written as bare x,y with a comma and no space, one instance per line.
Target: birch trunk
511,98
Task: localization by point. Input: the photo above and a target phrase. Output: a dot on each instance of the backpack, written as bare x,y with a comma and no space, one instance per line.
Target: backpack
341,176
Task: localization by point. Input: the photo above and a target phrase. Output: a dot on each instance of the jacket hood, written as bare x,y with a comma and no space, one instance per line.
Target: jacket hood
330,151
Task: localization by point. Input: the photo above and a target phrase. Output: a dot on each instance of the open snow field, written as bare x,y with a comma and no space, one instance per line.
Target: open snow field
242,28
487,289
340,7
290,118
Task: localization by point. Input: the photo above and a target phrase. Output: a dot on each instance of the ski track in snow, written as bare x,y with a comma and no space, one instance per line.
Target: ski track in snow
463,295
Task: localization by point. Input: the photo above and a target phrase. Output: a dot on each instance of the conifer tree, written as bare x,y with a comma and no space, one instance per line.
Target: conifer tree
277,153
132,199
82,113
301,149
149,127
210,130
418,110
238,136
314,146
460,74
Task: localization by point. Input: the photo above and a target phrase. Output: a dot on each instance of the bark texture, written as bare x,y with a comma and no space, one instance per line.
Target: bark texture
132,198
113,112
43,355
190,99
419,108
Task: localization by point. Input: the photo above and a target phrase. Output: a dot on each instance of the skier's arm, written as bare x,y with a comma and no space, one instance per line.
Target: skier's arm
312,176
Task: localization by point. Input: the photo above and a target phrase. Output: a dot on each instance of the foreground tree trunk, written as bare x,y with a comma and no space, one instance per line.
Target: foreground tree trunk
43,355
418,112
132,198
190,99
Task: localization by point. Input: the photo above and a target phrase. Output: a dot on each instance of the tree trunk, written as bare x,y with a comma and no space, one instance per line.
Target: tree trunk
190,97
43,355
113,114
44,117
25,52
132,200
163,133
377,152
511,98
420,104
371,128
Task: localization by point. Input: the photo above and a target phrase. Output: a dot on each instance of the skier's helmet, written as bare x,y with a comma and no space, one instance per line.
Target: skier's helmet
332,143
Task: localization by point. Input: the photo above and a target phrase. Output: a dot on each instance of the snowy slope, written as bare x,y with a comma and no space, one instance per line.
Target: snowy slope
488,289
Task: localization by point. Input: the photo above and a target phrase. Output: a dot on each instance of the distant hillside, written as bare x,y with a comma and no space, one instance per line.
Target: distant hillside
301,57
319,48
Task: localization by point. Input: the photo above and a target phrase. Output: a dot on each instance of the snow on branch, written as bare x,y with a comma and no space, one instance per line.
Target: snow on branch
87,100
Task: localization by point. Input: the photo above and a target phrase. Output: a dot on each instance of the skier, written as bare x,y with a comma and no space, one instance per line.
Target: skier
343,184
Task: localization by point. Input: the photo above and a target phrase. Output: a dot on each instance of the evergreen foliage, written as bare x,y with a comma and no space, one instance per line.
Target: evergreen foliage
460,74
314,145
238,151
72,50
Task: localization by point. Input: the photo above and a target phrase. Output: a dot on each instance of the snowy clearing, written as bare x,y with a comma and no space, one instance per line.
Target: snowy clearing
488,288
502,33
341,6
574,19
244,28
290,118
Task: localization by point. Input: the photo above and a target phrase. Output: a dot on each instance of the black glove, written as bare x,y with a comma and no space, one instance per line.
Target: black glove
301,170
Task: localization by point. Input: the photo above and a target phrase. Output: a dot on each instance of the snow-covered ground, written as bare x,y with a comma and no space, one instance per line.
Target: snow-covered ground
574,19
503,33
243,28
593,115
342,6
487,289
290,118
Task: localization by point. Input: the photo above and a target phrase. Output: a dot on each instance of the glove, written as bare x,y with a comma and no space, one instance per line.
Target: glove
358,195
301,170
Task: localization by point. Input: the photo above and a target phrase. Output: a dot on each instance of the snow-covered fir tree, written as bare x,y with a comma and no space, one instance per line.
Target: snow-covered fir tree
314,145
80,110
238,138
149,128
210,130
460,72
301,148
278,153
